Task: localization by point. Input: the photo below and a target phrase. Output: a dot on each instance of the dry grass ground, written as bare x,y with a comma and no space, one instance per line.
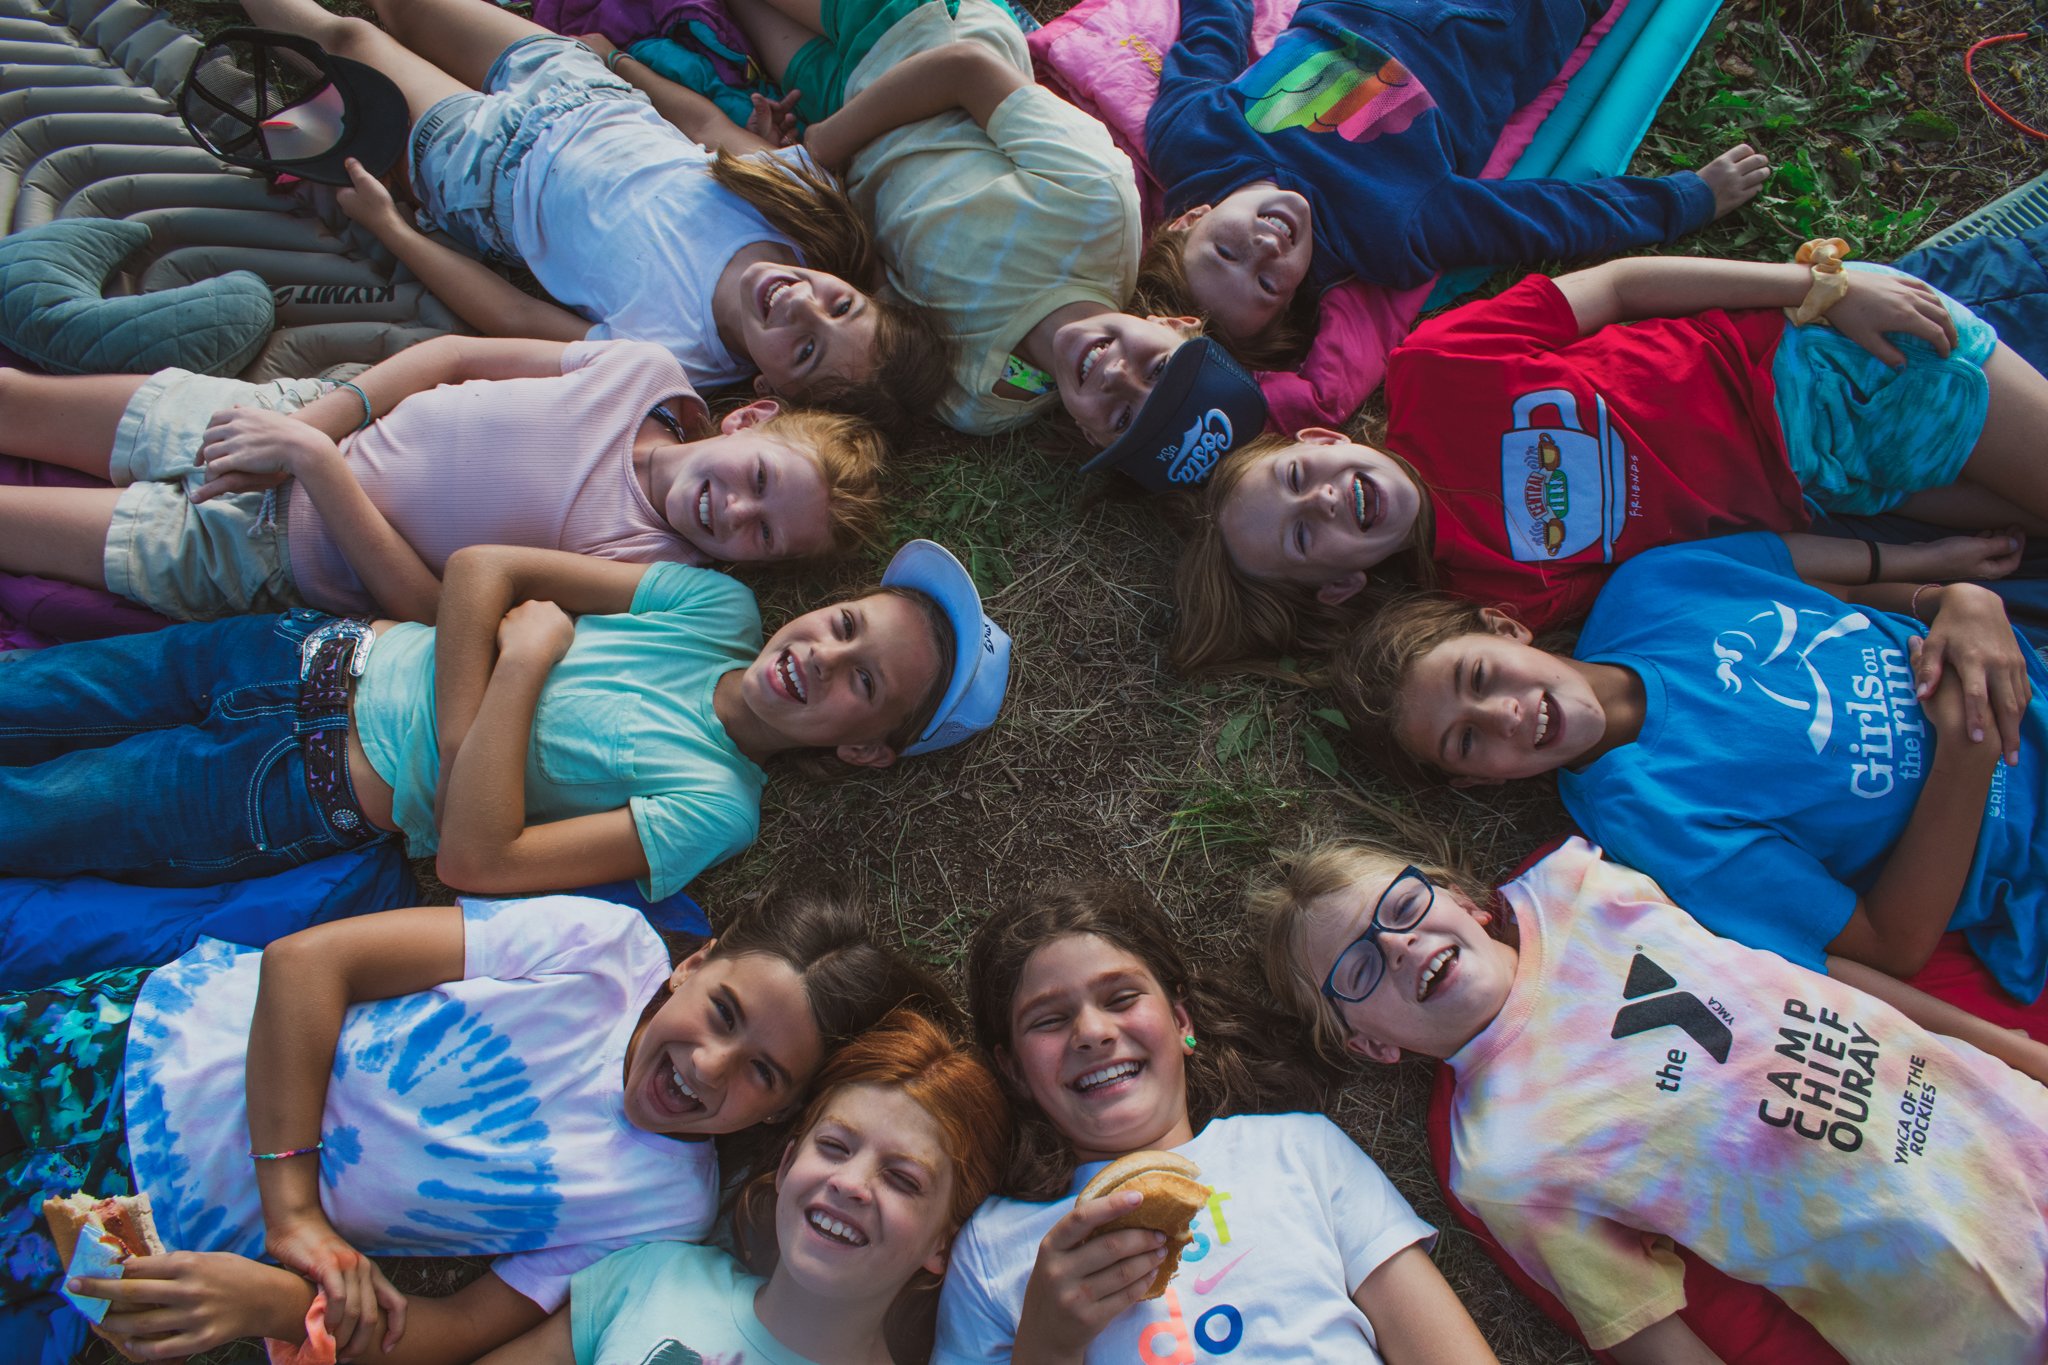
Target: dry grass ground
1105,762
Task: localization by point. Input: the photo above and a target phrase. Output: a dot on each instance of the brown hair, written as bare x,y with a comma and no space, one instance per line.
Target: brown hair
821,765
1287,899
849,452
1369,669
913,353
1163,287
1241,1064
1227,616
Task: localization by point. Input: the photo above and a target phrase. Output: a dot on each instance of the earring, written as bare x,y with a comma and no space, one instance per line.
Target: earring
1189,1039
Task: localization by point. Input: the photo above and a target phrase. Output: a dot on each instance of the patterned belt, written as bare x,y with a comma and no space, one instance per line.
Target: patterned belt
331,658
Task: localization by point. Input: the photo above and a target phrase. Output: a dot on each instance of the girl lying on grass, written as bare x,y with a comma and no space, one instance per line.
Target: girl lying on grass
1353,148
241,497
526,1079
1111,1045
738,261
998,205
1627,1080
906,1135
524,750
1533,442
1726,727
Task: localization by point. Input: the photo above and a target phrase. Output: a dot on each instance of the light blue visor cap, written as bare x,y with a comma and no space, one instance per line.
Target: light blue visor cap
981,648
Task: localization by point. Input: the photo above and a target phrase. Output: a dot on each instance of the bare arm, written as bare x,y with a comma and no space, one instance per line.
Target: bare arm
1416,1316
1896,926
1676,286
962,75
309,980
2010,1046
1845,561
486,843
416,369
472,290
547,1344
1669,1342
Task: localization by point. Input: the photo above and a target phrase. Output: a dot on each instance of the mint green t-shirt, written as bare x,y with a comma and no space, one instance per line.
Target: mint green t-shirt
624,720
670,1303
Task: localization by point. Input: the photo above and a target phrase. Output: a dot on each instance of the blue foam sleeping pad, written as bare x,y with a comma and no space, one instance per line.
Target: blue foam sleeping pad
1607,108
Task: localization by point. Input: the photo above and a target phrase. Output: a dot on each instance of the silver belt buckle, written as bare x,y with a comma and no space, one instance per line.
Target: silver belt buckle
358,631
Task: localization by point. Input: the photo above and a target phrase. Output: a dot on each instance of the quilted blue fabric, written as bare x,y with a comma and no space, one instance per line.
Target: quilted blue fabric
52,311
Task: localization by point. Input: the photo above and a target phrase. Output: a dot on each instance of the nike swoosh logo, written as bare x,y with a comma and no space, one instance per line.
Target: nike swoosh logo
1205,1283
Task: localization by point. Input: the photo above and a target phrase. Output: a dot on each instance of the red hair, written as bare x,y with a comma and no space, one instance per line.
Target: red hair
909,1053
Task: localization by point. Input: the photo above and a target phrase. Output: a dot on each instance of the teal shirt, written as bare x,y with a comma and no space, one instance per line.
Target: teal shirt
670,1303
624,720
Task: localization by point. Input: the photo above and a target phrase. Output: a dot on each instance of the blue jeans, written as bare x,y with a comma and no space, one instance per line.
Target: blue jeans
171,758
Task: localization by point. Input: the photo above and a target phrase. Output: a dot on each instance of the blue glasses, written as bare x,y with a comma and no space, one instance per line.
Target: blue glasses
1401,907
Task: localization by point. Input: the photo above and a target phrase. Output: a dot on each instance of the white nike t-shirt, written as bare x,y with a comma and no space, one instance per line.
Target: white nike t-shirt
1299,1217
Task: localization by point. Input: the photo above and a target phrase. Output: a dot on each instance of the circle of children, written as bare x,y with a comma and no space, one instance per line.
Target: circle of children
465,601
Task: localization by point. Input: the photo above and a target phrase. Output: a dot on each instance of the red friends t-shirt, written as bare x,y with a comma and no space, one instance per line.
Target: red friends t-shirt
1552,457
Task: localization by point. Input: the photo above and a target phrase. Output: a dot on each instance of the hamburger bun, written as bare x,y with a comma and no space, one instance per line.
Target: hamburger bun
1173,1195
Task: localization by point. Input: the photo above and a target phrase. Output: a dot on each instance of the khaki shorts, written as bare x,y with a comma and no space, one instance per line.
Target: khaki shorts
195,561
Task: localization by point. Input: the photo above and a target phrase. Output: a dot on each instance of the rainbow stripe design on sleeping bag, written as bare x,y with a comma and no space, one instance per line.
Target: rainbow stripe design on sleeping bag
1327,83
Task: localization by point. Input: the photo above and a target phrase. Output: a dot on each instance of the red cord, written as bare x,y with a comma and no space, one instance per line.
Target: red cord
1969,62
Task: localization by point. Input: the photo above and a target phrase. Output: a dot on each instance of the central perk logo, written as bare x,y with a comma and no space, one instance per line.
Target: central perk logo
1565,488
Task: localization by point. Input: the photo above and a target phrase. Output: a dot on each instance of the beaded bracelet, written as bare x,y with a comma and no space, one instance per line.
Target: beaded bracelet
369,414
280,1156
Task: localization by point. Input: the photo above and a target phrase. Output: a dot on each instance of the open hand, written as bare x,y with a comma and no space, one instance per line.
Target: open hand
1082,1281
1971,648
254,448
363,1309
1735,176
1984,555
774,121
1878,302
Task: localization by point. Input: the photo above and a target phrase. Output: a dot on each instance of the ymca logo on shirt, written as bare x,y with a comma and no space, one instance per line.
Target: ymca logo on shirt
1771,656
1563,488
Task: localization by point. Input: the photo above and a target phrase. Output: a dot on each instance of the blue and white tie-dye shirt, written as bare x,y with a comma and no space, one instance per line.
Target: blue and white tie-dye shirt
483,1117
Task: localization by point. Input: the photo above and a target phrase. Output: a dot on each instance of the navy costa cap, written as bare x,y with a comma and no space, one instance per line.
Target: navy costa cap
1198,412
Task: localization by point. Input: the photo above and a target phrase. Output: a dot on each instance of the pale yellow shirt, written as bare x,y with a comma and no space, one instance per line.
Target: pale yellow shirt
996,229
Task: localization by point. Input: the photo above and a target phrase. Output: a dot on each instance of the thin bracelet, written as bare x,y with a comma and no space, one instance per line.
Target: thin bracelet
369,414
1913,602
1876,562
280,1156
613,58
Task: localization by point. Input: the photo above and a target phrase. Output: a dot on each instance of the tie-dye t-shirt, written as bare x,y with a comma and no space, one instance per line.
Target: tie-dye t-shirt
1649,1083
1298,1219
668,1303
483,1117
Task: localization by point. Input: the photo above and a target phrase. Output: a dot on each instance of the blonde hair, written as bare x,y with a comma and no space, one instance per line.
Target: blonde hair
1225,615
913,354
849,452
1163,287
1288,898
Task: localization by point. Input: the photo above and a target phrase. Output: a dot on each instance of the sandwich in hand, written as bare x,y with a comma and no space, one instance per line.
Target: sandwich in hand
94,1236
1173,1196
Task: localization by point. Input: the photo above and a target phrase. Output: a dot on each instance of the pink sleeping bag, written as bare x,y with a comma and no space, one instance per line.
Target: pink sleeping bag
1105,56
